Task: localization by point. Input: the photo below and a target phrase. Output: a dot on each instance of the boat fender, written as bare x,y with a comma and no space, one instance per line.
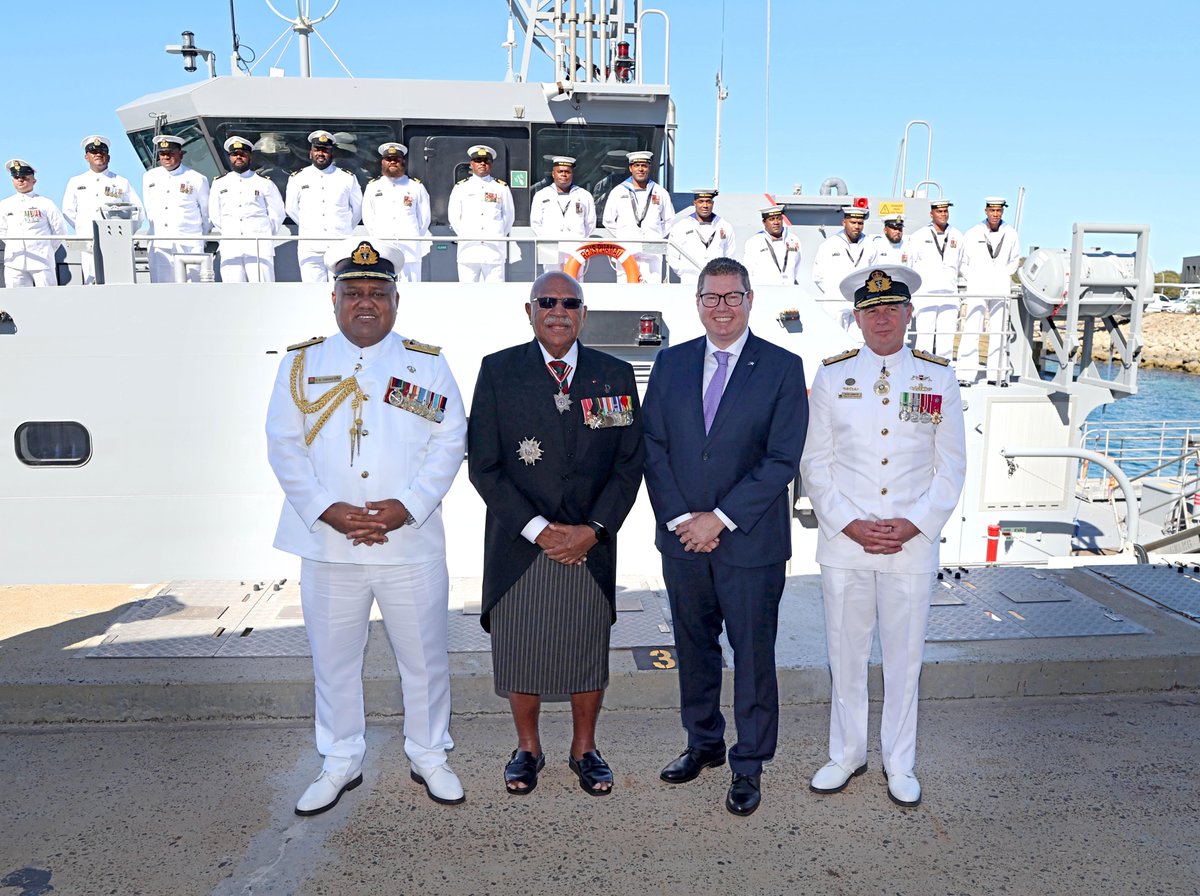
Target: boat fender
932,359
615,251
844,356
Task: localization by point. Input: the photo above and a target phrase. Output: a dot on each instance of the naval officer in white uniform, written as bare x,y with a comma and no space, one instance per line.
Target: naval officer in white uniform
481,206
396,206
243,203
88,194
699,236
638,209
29,262
176,206
325,201
884,464
366,432
772,256
891,247
562,211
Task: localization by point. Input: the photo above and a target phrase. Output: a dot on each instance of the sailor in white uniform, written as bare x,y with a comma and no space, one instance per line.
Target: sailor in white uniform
935,252
772,256
176,206
843,252
991,253
884,464
560,212
699,237
481,206
639,210
891,247
29,262
365,433
396,206
89,194
243,203
325,202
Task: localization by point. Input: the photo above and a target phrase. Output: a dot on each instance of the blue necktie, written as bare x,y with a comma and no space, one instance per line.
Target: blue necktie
716,387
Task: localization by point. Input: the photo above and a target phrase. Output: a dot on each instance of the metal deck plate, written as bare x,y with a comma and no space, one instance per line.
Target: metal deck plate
1175,588
1020,602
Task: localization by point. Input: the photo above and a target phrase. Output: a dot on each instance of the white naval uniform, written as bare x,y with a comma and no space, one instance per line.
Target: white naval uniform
562,216
881,250
176,206
836,257
770,261
85,196
324,204
402,456
862,461
701,241
30,262
246,204
637,215
988,263
481,207
395,207
937,258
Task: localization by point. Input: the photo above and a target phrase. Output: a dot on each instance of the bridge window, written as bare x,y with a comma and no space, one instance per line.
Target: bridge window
53,444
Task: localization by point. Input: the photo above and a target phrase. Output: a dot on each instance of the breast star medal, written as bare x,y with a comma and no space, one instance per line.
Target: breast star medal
881,385
529,450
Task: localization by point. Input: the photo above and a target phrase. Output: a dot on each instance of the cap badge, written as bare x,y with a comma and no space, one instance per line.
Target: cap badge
878,281
365,254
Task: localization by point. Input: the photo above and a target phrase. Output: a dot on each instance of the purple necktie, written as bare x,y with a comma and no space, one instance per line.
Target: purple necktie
716,386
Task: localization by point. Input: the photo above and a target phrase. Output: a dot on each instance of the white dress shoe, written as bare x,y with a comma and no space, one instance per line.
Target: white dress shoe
440,782
323,794
904,789
833,778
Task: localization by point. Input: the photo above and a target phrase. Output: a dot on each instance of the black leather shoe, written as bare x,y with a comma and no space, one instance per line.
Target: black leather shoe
744,795
690,763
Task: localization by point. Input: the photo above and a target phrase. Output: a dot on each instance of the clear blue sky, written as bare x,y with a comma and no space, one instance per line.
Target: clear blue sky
1090,107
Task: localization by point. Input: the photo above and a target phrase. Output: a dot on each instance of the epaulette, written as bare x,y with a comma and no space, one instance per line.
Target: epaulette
414,180
464,180
371,181
294,173
933,359
499,181
316,340
421,347
844,356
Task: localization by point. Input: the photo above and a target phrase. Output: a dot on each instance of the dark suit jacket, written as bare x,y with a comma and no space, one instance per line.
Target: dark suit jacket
584,474
743,465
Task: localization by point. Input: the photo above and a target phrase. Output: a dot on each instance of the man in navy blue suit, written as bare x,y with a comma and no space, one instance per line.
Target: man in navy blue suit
725,419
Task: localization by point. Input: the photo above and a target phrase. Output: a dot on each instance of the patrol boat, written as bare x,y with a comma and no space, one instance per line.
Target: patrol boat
138,450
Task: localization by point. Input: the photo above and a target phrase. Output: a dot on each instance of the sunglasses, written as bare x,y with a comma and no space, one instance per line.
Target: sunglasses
549,302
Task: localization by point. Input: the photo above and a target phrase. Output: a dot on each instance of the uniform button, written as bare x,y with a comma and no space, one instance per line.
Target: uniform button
884,461
887,401
365,474
883,432
883,491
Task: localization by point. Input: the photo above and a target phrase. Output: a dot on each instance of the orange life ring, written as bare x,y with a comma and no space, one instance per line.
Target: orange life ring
623,256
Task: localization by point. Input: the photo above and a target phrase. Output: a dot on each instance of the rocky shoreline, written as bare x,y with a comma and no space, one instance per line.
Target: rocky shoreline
1172,342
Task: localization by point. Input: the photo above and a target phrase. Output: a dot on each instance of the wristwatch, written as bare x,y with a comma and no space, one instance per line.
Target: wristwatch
601,533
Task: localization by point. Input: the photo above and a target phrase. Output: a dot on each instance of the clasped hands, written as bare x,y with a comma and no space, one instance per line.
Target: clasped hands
881,536
566,544
368,524
701,533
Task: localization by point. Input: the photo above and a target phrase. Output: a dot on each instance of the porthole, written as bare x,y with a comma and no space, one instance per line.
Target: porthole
53,444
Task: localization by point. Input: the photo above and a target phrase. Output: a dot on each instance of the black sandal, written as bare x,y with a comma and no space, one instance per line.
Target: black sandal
591,769
523,768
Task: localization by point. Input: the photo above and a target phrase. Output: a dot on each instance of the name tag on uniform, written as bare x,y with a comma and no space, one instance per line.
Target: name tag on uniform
607,411
320,380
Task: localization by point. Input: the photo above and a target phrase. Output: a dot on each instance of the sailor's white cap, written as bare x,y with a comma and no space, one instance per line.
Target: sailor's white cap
481,152
19,166
771,210
940,203
555,161
167,141
239,143
704,193
392,150
95,140
323,139
995,200
642,155
853,211
882,284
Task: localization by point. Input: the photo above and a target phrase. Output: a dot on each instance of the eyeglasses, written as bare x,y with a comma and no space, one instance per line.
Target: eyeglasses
713,299
549,302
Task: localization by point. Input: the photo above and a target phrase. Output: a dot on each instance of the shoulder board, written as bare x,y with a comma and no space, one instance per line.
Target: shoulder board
294,173
415,180
499,181
413,345
316,340
464,180
844,356
371,181
933,359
